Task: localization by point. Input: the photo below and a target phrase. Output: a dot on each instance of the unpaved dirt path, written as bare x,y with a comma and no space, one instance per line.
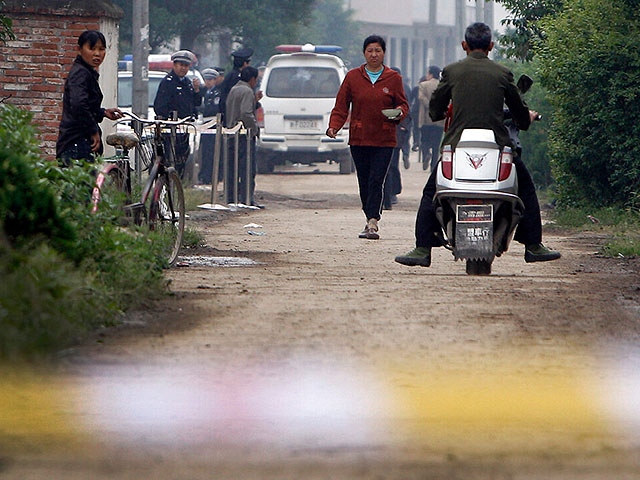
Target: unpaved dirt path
326,359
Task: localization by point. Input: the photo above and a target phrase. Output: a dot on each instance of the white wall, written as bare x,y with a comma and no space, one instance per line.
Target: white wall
109,76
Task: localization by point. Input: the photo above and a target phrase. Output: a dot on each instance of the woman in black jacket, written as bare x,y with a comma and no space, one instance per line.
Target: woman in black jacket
80,136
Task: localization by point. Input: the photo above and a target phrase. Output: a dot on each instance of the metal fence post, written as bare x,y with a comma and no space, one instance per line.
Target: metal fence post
225,166
248,171
215,170
236,144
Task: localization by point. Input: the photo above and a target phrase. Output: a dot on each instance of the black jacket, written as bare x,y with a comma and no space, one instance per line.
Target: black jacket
230,80
211,102
176,94
81,110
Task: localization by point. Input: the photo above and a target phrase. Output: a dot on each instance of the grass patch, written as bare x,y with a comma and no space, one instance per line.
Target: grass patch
196,196
620,225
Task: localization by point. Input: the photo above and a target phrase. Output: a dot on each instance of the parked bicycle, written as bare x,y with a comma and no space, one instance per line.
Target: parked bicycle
161,202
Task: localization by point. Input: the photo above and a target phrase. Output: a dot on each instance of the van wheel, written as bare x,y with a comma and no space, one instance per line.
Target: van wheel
478,267
346,164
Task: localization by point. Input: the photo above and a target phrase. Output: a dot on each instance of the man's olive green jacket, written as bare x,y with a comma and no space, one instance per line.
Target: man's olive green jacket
478,89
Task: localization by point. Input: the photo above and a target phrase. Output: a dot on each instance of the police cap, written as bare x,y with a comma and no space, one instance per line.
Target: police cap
210,73
243,52
184,56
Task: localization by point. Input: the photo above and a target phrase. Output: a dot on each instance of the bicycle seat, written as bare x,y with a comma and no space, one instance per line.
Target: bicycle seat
122,139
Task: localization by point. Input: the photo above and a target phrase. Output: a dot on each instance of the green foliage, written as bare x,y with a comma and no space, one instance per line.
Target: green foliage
535,141
6,30
27,205
332,24
523,25
45,302
590,64
261,25
65,271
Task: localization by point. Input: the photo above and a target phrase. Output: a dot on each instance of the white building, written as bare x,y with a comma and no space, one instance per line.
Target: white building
420,33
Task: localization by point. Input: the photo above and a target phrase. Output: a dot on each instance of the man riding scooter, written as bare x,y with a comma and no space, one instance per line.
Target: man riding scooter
479,88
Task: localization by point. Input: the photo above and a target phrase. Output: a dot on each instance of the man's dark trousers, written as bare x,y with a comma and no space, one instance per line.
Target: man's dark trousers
528,232
244,180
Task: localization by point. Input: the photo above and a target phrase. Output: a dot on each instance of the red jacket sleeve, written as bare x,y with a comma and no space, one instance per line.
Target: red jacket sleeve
340,111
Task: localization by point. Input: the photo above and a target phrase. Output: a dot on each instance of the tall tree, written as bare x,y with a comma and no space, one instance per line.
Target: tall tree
332,24
523,25
257,24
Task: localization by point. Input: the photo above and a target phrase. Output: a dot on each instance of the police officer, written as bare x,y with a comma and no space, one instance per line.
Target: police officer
241,60
176,92
178,96
212,82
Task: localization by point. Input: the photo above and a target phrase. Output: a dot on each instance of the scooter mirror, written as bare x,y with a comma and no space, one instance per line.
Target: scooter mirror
524,83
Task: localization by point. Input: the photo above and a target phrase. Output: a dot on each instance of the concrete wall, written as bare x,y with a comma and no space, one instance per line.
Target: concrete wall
33,67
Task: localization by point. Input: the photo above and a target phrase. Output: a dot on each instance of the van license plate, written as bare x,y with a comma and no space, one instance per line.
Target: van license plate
475,213
303,124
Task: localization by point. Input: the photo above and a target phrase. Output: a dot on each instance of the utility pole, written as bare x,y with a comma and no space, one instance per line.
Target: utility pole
140,91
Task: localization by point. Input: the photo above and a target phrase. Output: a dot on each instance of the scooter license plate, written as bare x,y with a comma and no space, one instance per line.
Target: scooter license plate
474,213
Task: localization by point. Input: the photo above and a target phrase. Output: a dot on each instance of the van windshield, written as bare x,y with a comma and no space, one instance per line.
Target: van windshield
303,82
125,90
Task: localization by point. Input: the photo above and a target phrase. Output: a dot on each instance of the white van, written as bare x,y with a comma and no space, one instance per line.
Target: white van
299,93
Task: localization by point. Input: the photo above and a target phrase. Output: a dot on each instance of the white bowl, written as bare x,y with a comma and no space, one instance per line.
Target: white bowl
391,113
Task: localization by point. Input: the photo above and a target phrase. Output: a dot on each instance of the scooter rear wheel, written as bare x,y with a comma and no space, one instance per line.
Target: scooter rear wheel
478,267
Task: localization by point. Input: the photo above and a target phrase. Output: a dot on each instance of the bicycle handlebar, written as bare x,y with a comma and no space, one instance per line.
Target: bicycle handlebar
182,121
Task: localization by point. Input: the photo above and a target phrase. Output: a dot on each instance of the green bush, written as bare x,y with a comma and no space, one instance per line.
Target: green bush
65,270
591,65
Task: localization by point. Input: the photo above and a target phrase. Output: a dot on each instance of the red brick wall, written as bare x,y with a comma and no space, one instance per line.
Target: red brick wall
34,66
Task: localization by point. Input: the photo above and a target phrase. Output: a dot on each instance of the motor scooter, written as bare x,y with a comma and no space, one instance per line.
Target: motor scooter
476,199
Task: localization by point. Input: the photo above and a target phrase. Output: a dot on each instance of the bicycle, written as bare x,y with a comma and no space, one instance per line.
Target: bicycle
161,202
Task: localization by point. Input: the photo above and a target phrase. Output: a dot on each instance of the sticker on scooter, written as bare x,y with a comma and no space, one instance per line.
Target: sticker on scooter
474,213
476,159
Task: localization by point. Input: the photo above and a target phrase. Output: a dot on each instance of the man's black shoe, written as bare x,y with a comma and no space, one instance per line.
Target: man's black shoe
539,253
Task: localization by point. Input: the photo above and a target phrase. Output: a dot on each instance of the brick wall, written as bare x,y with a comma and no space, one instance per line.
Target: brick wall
33,67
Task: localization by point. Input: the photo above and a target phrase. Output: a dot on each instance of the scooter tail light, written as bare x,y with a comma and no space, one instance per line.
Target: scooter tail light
506,163
447,162
260,117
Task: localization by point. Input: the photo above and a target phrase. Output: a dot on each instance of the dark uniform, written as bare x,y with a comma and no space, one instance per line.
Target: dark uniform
210,108
231,78
81,113
177,95
478,88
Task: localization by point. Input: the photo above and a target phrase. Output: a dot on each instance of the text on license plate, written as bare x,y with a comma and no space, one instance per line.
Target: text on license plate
475,213
303,124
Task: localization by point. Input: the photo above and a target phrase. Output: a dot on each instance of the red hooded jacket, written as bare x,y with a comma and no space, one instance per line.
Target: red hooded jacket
369,127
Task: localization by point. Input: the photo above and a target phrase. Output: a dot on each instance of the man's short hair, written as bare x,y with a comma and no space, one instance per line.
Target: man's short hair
434,71
248,73
478,36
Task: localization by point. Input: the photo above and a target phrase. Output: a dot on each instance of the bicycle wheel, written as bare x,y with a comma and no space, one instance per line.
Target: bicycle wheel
167,213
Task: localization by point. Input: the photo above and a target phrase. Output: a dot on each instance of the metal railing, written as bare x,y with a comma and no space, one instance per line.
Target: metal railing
221,160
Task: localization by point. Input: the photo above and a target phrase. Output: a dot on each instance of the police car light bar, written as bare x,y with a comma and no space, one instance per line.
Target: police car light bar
309,48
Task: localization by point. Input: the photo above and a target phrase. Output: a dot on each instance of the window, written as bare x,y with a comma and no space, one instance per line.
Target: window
125,90
303,82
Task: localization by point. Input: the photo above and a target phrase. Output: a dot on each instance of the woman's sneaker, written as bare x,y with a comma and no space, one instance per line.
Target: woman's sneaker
372,229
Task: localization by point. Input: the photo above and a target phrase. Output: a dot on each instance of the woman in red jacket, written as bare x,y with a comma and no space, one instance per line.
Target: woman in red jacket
368,90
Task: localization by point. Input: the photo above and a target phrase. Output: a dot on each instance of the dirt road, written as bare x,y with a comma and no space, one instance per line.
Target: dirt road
325,359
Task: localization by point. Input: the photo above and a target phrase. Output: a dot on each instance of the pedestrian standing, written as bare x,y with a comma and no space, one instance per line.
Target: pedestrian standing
79,136
241,107
210,108
366,91
430,131
241,60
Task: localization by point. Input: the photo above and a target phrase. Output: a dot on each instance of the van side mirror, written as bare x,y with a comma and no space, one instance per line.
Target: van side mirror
524,83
